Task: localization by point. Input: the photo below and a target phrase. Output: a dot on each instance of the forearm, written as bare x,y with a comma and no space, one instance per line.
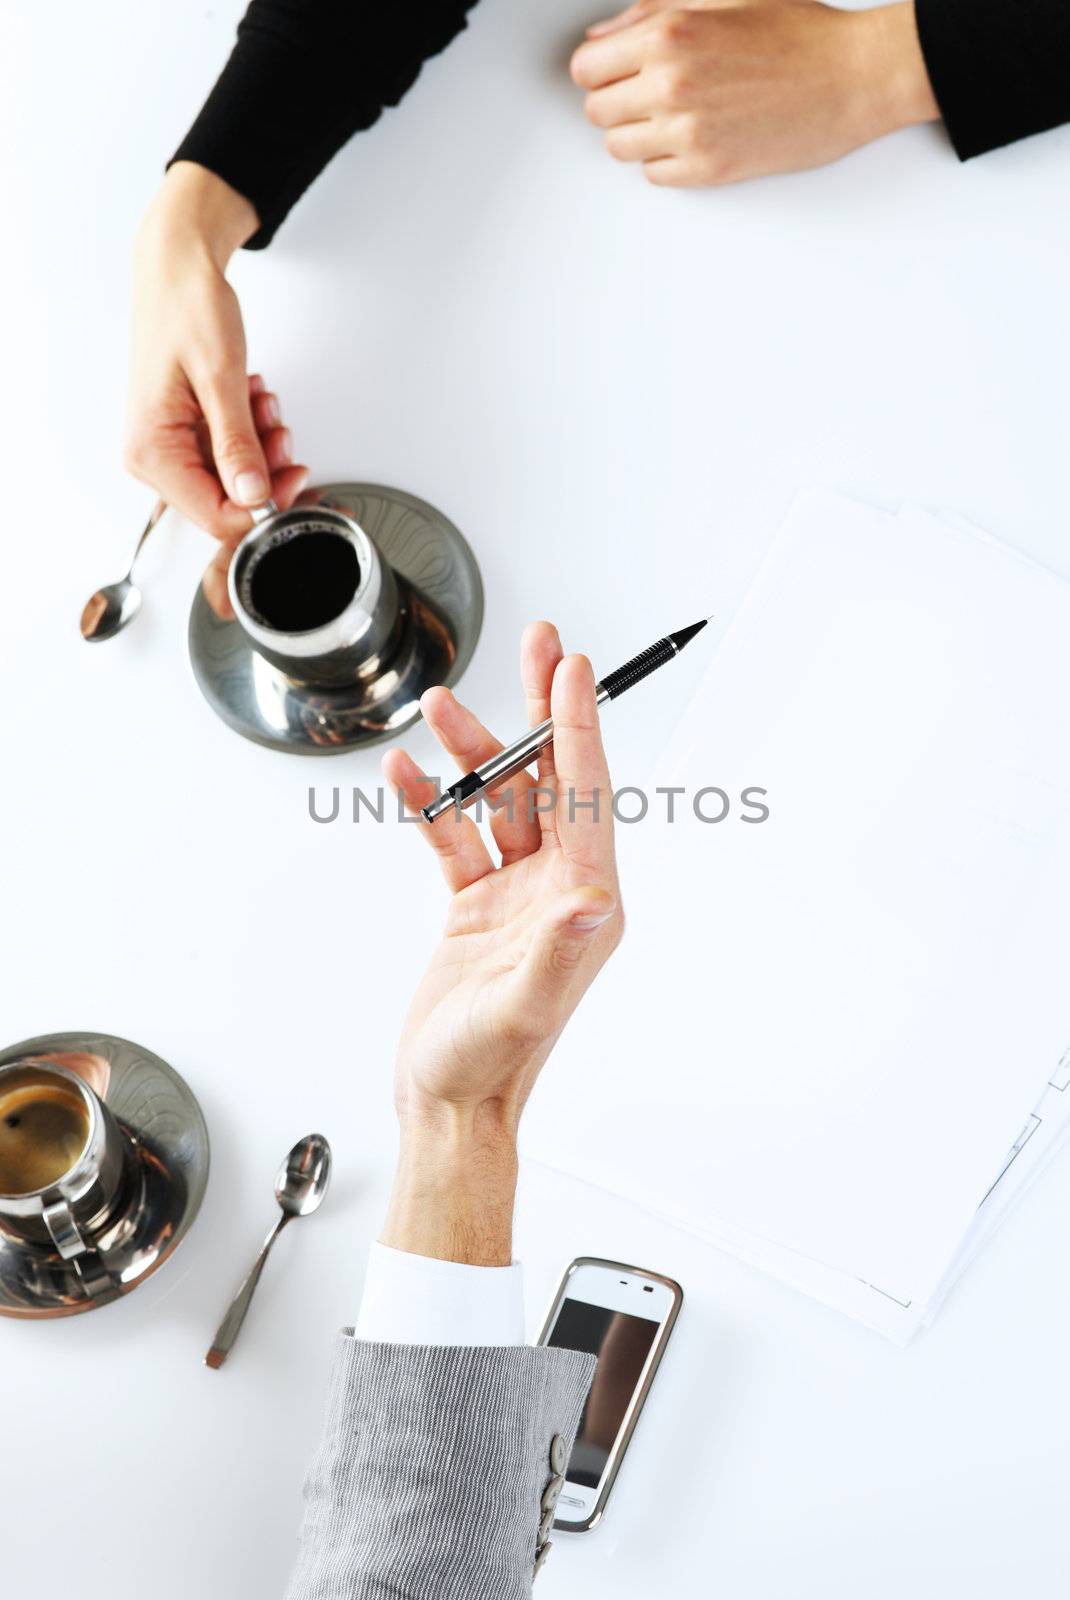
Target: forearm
895,66
431,1471
455,1186
436,1456
195,210
1000,71
303,77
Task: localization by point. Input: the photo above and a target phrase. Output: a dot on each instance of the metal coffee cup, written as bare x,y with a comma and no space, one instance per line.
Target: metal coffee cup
54,1128
357,615
347,607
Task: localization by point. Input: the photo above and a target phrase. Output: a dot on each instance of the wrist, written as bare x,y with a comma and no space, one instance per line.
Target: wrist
194,210
896,67
455,1185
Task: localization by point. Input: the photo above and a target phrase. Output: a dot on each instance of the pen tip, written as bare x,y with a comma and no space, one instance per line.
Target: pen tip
686,635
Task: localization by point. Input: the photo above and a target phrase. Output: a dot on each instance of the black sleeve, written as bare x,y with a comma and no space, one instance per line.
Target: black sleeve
1000,69
304,76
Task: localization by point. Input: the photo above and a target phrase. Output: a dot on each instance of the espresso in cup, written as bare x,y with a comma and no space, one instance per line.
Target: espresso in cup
44,1128
302,582
316,599
63,1164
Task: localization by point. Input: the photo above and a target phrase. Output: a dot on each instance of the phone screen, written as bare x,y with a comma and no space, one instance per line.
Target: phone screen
622,1343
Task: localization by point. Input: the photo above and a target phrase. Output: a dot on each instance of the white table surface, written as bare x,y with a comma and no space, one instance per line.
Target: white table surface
614,391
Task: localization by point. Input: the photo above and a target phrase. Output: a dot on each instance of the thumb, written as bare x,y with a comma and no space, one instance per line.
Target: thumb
563,940
236,448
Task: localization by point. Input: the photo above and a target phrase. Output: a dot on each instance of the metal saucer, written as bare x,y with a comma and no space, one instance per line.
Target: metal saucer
443,592
157,1111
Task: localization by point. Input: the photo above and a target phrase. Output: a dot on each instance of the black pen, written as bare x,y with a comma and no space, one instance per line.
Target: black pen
523,751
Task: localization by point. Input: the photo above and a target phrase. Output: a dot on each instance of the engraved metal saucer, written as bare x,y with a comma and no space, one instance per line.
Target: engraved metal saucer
442,592
157,1111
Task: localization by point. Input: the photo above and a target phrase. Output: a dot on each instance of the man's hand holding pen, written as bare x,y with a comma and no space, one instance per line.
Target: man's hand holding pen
525,937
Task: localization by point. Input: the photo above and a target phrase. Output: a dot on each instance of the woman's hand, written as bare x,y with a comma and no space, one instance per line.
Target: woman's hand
208,438
722,90
524,940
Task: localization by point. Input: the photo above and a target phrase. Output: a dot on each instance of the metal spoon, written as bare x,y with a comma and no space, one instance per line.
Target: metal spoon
300,1185
108,611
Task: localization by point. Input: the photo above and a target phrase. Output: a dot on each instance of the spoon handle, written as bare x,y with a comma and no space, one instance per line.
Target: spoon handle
157,512
228,1329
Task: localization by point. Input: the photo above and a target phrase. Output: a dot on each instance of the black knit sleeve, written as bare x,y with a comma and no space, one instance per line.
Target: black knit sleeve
1000,69
303,77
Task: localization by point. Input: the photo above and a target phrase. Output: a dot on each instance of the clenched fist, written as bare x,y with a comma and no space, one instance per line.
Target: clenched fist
722,90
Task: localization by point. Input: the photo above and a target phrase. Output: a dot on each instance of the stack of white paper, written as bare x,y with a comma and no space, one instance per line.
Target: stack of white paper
835,1041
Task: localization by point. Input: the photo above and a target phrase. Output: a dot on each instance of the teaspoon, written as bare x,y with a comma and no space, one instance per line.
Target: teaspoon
300,1185
108,611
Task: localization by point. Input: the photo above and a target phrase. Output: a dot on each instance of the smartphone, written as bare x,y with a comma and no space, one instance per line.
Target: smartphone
624,1316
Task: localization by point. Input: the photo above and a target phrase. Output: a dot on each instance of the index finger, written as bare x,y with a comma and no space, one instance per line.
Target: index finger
455,839
610,57
584,810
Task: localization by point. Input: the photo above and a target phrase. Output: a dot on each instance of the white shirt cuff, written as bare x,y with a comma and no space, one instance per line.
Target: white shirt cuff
419,1300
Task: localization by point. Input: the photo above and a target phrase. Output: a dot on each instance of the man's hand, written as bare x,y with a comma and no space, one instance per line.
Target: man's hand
722,90
523,942
205,436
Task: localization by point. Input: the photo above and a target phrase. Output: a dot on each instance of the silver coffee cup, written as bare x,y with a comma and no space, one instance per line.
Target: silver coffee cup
63,1162
317,600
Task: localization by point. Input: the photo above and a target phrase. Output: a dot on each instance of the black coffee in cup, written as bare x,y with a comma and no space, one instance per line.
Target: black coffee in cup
44,1126
304,581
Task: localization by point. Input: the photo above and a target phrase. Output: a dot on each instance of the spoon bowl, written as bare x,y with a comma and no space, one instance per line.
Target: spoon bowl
304,1177
110,609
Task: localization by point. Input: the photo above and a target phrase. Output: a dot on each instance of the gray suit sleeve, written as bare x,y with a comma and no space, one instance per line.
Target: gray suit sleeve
428,1482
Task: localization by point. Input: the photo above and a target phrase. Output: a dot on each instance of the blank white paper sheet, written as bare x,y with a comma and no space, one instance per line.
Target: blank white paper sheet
824,1032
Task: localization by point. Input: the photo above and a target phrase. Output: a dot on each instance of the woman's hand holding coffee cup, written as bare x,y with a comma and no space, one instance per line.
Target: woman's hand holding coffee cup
525,937
208,438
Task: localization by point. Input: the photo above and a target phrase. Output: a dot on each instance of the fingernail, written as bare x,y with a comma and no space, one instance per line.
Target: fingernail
286,446
250,488
271,409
